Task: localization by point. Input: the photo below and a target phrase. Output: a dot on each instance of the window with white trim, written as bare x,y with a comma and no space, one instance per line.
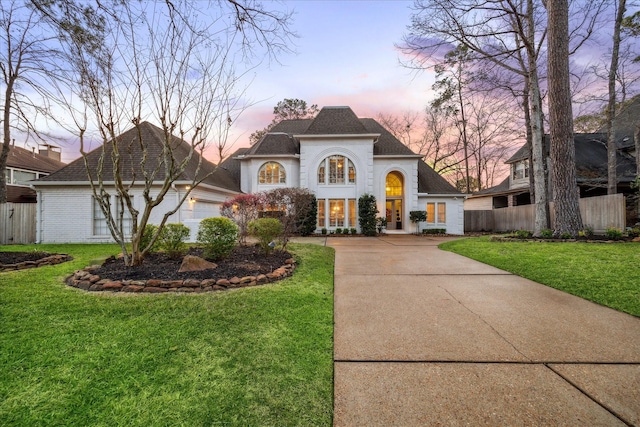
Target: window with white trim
100,226
436,213
521,169
272,173
341,171
334,213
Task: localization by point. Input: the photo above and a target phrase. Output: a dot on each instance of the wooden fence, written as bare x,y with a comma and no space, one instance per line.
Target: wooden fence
597,212
17,223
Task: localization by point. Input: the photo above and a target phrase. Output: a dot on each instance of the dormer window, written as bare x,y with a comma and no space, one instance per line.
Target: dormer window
272,173
341,171
521,169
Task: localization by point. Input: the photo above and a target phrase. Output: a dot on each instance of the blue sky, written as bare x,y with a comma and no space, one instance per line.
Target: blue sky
345,56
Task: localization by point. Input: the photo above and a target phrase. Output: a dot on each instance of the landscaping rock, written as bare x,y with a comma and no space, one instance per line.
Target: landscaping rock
195,263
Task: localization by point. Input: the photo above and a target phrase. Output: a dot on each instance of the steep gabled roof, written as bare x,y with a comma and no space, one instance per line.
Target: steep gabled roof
21,158
129,145
336,121
429,181
387,144
275,143
232,165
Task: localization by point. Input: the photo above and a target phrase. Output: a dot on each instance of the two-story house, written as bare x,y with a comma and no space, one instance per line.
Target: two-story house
336,155
24,165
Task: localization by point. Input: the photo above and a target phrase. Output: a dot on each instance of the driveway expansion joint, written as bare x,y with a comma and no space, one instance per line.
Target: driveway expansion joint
485,322
588,395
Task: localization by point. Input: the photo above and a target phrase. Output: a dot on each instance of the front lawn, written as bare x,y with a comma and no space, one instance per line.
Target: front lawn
606,273
251,356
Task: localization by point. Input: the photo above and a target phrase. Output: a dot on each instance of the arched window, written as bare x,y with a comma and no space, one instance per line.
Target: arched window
340,171
394,185
272,173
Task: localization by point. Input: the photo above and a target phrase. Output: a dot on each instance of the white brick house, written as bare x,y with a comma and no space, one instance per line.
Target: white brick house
338,156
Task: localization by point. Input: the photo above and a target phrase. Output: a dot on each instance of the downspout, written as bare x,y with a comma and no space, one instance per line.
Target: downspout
179,212
39,208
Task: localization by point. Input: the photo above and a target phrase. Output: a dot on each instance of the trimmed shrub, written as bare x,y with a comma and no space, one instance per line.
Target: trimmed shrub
546,233
171,240
417,217
307,225
266,230
294,207
613,233
354,231
323,231
588,231
434,231
367,212
523,234
338,230
217,236
149,232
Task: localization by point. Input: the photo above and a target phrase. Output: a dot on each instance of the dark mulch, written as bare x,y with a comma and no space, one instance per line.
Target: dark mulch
243,261
17,257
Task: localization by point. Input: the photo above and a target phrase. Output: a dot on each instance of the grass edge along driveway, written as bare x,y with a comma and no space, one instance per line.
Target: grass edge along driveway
605,273
253,356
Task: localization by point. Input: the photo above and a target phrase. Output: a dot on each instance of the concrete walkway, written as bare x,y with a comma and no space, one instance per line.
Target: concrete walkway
425,337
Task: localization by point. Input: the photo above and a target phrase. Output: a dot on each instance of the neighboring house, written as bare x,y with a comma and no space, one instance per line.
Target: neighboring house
337,156
25,165
591,166
67,211
340,157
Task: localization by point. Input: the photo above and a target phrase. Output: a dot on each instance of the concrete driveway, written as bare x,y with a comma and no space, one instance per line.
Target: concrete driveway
427,337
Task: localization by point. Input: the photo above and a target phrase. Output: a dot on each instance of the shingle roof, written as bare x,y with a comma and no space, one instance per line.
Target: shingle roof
429,181
625,123
21,158
131,153
232,165
336,121
275,143
502,188
591,160
591,157
387,144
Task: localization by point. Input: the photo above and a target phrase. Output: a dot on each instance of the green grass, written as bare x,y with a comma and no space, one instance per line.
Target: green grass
253,356
608,274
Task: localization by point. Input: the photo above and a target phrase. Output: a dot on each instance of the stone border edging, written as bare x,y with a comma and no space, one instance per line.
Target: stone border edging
49,260
85,280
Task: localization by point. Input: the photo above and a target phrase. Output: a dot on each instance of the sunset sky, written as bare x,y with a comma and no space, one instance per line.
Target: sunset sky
345,56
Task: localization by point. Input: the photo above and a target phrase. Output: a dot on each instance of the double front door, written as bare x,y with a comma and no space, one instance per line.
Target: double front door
394,214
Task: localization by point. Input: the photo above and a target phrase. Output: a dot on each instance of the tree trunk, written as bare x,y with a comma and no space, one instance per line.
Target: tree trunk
565,190
538,158
612,181
636,138
6,142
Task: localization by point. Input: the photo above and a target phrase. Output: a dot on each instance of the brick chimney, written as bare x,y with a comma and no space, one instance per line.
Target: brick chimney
50,151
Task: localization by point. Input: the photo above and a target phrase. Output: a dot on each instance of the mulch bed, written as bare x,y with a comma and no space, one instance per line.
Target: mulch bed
17,257
10,261
243,261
